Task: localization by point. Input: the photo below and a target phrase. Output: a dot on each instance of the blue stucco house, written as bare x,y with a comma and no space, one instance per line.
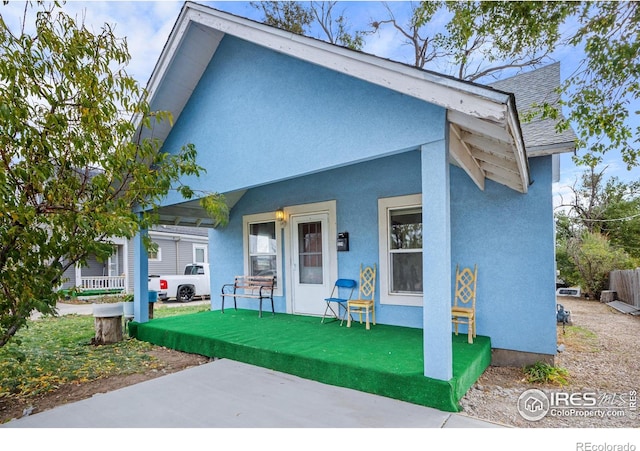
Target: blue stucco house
341,141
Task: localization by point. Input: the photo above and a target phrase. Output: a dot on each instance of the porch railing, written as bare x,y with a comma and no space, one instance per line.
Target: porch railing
103,283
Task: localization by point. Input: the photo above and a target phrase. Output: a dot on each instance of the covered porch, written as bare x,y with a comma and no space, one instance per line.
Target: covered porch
386,360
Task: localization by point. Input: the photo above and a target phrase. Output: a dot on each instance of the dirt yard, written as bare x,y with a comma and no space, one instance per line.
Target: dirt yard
601,353
602,356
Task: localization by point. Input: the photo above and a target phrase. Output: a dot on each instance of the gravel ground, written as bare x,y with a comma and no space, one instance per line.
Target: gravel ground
602,355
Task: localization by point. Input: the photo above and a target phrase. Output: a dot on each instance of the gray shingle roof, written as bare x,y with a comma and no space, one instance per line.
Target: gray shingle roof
537,87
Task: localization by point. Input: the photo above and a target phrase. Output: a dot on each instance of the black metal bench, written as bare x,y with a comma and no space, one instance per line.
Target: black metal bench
250,287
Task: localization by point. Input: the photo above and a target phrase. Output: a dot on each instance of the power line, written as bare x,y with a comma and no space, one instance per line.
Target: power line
610,220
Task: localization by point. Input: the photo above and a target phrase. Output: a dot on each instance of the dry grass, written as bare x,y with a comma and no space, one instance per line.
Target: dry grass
601,354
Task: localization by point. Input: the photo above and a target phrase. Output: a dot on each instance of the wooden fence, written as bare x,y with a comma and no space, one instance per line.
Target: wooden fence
626,283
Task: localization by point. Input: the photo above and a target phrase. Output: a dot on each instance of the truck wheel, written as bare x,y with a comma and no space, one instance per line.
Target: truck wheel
186,293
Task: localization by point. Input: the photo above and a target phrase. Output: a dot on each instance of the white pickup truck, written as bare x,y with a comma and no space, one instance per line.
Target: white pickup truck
193,283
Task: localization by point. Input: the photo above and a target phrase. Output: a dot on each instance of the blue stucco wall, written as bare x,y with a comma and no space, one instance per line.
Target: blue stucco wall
282,117
509,235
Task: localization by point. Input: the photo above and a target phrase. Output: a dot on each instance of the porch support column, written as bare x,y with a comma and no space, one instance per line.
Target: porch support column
125,265
78,275
140,279
436,261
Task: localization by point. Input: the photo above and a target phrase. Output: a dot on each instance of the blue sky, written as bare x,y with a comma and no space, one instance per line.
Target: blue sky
147,24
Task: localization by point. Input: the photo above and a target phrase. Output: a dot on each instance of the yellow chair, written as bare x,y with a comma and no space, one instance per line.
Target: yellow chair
365,303
464,302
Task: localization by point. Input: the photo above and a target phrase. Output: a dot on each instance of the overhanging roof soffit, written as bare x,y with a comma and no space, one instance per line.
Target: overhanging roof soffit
488,149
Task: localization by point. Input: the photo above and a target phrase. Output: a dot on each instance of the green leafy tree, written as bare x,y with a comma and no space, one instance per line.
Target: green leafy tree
564,263
622,215
606,206
594,258
587,202
599,94
597,230
74,172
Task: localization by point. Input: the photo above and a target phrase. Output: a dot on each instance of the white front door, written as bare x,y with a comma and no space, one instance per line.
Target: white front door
310,263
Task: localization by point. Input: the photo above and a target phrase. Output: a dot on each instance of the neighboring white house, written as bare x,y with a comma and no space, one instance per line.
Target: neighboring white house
177,246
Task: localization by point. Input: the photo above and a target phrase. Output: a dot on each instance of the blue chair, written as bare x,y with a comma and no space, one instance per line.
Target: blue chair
341,286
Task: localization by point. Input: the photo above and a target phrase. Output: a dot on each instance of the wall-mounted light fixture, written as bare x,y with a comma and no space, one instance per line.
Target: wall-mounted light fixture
280,215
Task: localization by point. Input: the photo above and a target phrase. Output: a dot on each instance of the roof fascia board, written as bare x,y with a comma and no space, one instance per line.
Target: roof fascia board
520,151
169,51
552,149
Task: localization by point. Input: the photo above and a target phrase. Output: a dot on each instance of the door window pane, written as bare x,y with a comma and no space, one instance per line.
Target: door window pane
310,252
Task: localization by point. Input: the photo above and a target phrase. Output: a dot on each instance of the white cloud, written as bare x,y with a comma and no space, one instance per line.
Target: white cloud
385,44
145,25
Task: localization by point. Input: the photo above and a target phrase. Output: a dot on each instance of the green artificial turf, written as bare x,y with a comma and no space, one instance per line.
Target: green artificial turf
386,360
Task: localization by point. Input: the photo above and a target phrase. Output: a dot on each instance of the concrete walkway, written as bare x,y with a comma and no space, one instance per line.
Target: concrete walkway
229,394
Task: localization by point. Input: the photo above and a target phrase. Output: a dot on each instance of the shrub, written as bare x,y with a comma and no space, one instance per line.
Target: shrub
543,373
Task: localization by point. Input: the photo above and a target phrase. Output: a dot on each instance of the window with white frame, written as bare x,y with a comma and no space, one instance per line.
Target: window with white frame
262,247
155,255
199,253
400,247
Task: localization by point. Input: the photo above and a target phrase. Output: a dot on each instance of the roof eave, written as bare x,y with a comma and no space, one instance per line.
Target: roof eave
552,149
520,149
